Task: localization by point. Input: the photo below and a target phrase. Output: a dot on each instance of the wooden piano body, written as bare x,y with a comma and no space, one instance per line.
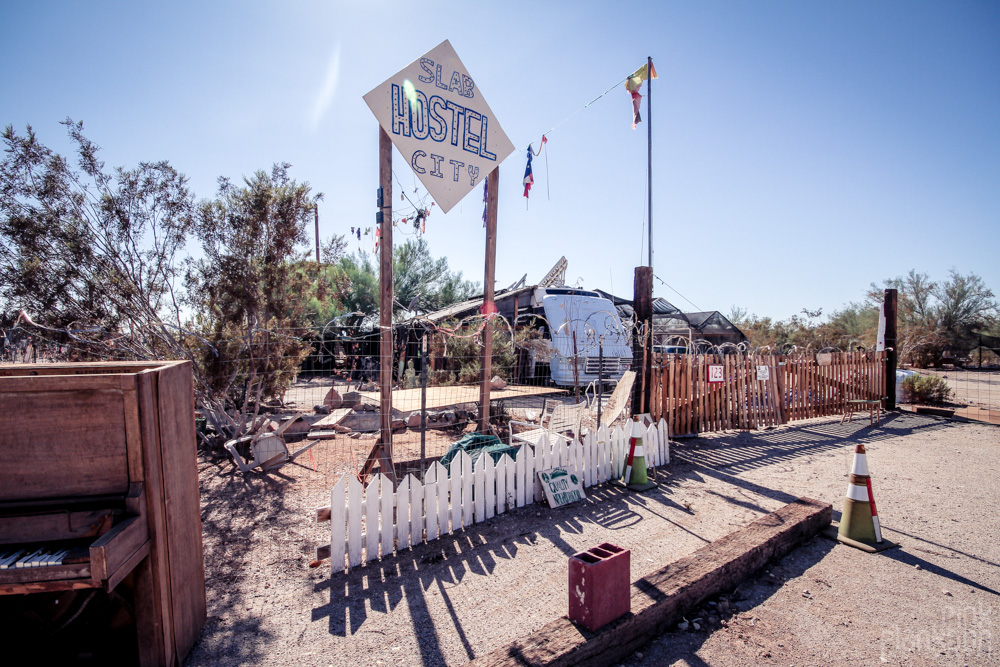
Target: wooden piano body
102,457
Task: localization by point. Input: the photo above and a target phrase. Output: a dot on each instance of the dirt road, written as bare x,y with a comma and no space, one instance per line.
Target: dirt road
934,601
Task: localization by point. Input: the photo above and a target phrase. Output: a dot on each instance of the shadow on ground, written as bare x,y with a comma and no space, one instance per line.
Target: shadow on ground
237,511
433,568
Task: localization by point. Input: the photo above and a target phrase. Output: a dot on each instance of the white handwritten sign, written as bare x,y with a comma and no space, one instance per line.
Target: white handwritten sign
763,373
561,486
438,120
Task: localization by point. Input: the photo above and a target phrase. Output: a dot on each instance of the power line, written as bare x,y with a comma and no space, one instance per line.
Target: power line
679,294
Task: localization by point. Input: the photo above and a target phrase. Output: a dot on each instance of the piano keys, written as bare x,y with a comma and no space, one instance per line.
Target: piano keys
43,556
89,455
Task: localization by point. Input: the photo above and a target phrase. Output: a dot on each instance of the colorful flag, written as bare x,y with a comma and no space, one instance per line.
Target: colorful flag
632,85
638,76
636,103
529,178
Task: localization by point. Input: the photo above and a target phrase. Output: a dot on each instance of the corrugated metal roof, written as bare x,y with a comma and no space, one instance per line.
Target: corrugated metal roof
466,307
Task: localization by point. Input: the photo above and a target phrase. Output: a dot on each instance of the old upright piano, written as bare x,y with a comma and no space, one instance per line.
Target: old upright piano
100,528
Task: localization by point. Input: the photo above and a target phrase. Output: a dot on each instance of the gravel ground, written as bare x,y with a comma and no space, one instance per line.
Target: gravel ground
933,601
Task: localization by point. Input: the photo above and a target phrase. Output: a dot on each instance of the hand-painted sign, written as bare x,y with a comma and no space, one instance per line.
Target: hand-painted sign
716,373
561,486
438,120
763,373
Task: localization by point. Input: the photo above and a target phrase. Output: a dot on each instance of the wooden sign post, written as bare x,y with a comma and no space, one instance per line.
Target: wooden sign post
493,183
382,451
433,112
385,305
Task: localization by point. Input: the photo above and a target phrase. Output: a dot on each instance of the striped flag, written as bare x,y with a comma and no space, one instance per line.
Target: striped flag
529,178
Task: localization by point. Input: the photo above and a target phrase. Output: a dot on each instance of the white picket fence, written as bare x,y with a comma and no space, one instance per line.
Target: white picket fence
373,521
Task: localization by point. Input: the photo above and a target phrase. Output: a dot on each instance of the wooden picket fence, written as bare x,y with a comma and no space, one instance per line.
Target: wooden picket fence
788,389
377,520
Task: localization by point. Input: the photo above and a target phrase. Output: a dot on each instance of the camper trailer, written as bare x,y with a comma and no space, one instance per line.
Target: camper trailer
583,339
589,341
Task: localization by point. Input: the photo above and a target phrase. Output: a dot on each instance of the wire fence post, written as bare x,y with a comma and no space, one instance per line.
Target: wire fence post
576,370
423,405
600,378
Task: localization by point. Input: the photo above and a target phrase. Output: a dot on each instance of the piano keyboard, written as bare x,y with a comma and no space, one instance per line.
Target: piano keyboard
21,558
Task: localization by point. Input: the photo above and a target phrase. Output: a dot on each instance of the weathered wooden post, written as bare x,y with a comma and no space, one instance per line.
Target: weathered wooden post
642,304
382,452
891,356
493,185
437,118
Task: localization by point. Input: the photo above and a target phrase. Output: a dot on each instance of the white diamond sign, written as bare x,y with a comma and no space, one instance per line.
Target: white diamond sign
438,120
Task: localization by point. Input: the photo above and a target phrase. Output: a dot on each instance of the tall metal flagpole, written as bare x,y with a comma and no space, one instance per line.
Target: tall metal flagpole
649,151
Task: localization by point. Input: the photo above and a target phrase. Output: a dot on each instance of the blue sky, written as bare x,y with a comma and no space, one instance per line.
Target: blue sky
801,150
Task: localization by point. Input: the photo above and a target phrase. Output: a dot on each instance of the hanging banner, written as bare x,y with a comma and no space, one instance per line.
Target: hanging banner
439,121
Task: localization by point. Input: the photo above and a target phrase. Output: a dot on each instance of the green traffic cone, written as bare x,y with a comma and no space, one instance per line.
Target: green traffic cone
859,525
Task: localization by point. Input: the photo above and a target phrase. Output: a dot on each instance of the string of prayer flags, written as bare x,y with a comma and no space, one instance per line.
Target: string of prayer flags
632,85
420,222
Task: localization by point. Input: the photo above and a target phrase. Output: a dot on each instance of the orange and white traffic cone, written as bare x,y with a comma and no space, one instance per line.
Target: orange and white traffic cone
635,464
859,526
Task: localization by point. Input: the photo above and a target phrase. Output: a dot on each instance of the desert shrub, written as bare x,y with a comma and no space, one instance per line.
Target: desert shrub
461,348
927,389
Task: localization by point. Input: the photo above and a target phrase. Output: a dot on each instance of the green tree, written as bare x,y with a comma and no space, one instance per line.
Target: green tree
935,319
333,248
92,249
418,280
249,292
853,325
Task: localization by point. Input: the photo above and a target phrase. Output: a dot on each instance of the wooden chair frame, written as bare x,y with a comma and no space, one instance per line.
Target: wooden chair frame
556,419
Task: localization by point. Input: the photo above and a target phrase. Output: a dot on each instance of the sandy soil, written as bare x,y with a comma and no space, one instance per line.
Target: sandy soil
933,601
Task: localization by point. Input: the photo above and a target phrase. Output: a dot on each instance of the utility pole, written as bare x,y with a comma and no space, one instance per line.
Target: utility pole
316,211
642,304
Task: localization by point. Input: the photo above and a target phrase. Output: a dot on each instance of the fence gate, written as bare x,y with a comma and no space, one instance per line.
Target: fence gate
707,392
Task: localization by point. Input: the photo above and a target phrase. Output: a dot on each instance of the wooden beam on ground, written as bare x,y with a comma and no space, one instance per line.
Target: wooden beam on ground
660,599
